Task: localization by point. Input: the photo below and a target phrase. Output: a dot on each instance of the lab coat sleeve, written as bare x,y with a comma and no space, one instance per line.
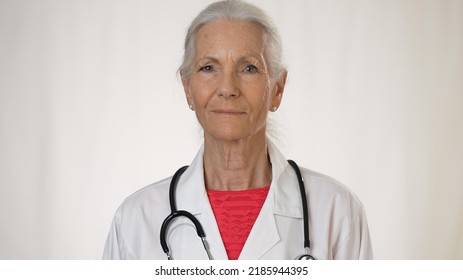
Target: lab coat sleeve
357,245
113,243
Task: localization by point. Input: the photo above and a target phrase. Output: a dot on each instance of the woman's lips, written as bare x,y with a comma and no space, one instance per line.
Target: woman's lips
228,112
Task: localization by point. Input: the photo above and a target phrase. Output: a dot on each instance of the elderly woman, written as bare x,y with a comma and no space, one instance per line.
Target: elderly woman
240,194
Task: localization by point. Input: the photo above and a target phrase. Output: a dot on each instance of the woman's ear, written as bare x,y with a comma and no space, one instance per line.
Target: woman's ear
186,89
279,89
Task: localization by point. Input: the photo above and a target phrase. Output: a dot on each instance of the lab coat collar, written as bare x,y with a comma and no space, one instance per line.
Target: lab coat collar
285,187
191,188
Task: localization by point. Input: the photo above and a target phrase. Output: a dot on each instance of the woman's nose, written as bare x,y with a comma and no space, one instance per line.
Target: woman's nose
228,87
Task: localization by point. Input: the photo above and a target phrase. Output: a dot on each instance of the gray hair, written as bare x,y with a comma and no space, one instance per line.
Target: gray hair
241,11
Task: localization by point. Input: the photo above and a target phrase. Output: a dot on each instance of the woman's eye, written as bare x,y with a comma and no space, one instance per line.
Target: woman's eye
250,69
207,68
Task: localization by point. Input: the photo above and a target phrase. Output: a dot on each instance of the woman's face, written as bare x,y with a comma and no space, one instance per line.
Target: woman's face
231,87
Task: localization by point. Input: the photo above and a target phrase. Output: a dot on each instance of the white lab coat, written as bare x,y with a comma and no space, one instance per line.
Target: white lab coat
338,225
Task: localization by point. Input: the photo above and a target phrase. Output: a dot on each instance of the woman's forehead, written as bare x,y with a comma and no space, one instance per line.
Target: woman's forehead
229,35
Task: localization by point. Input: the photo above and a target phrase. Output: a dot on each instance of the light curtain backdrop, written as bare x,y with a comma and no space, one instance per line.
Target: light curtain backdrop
91,109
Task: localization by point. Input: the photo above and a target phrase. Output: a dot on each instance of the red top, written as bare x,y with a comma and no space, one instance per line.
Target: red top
235,213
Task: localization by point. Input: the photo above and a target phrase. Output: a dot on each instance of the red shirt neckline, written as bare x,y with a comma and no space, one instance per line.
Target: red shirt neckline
235,213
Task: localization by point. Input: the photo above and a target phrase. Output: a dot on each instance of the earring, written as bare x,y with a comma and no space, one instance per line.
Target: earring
191,107
274,108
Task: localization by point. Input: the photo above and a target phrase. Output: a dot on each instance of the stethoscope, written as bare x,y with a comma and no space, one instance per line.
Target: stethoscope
175,213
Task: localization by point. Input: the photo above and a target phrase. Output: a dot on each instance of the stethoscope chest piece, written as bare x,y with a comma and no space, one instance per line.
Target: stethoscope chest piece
306,256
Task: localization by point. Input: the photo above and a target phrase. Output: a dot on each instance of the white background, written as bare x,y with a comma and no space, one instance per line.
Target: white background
91,109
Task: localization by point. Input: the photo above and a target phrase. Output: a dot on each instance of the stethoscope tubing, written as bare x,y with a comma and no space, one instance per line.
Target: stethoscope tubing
175,213
173,187
305,210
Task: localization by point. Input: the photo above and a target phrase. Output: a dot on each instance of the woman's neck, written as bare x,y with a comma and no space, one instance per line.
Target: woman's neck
236,165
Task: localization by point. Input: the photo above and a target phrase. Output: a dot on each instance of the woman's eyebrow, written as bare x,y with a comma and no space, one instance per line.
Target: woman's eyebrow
208,58
240,59
250,57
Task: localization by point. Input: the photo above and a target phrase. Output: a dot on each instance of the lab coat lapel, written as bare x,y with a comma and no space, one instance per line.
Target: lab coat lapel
213,237
192,197
264,234
283,200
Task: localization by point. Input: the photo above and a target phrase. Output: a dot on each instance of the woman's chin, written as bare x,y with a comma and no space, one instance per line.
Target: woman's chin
234,135
229,137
